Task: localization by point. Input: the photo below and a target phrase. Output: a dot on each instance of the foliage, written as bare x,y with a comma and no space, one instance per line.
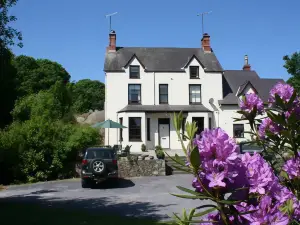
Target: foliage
88,95
40,149
160,154
34,75
292,64
7,33
158,147
53,104
143,147
244,189
7,87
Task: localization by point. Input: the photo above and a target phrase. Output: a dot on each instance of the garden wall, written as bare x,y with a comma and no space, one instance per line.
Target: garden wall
137,168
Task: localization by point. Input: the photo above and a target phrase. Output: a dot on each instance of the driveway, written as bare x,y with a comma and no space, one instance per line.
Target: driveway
143,197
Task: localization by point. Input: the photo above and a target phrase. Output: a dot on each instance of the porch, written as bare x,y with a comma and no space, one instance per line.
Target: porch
155,128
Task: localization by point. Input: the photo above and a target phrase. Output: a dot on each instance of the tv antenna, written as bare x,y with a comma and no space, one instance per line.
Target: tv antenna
110,15
202,15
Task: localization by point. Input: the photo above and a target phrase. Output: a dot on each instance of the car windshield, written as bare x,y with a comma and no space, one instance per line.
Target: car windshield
99,153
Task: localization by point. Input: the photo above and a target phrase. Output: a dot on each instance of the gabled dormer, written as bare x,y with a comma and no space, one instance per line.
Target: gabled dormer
133,67
193,67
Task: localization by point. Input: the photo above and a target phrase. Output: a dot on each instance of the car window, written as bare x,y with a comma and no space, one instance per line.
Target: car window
99,153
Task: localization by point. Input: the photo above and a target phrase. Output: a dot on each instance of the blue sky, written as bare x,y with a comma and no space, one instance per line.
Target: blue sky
75,33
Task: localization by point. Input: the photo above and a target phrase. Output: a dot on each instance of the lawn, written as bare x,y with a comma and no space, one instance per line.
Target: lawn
32,214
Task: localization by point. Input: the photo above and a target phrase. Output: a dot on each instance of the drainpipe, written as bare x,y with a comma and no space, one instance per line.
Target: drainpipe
154,86
117,129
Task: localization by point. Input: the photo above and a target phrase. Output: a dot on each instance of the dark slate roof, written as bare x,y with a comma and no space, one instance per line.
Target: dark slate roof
165,108
160,59
236,80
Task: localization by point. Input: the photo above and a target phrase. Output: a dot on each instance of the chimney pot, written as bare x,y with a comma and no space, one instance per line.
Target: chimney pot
112,41
246,66
205,43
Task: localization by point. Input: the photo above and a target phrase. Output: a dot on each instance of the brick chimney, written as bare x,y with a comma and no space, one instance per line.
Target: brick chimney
112,42
205,42
246,64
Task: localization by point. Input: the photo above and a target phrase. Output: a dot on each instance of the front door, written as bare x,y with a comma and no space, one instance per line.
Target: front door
200,124
164,135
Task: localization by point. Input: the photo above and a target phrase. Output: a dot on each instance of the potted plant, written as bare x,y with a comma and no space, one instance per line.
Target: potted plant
143,147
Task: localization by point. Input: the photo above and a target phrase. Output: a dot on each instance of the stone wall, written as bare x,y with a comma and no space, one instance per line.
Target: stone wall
137,168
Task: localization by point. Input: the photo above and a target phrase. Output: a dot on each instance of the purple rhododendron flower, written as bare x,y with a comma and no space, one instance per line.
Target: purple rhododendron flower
216,179
218,152
267,124
250,101
259,173
292,167
284,91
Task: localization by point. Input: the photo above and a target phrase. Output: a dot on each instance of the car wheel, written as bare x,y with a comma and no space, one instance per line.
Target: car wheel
85,183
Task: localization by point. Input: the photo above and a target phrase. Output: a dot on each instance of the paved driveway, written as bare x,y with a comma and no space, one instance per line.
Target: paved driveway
145,196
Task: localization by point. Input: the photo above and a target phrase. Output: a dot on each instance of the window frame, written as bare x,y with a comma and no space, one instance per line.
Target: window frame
121,129
148,129
197,75
130,102
243,133
131,139
160,85
130,72
190,99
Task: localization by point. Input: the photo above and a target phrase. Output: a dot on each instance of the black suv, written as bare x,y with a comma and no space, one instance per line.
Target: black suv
98,164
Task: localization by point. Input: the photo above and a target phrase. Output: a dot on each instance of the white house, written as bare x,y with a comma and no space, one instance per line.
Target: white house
145,86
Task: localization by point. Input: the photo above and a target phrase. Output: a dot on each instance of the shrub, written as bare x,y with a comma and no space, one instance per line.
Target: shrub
158,147
160,154
40,150
143,147
247,189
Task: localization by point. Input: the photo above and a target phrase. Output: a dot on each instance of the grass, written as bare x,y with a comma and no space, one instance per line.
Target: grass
29,214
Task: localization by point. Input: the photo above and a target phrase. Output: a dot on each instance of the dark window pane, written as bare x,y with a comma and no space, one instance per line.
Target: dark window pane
148,129
194,71
134,71
183,128
134,128
134,93
195,94
209,123
101,153
121,129
238,130
163,93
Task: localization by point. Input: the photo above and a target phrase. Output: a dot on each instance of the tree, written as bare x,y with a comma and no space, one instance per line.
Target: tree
36,75
7,87
53,104
292,64
88,94
7,33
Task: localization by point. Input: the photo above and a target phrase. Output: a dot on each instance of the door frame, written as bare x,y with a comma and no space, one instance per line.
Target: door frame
165,121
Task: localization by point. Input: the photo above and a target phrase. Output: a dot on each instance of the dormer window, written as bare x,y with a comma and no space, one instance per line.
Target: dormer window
194,72
134,72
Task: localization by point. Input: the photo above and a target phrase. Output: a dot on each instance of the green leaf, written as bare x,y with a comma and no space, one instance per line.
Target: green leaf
195,158
279,102
203,213
188,191
292,99
187,169
191,196
230,202
191,214
176,159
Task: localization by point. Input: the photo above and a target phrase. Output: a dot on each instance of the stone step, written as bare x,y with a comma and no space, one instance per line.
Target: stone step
171,163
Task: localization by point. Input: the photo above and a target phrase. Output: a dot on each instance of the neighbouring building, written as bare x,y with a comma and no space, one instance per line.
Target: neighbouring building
145,86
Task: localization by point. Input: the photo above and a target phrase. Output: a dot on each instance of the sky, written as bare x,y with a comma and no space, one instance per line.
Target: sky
75,33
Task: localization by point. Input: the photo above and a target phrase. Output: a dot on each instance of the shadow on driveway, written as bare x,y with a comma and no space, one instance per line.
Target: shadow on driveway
114,183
